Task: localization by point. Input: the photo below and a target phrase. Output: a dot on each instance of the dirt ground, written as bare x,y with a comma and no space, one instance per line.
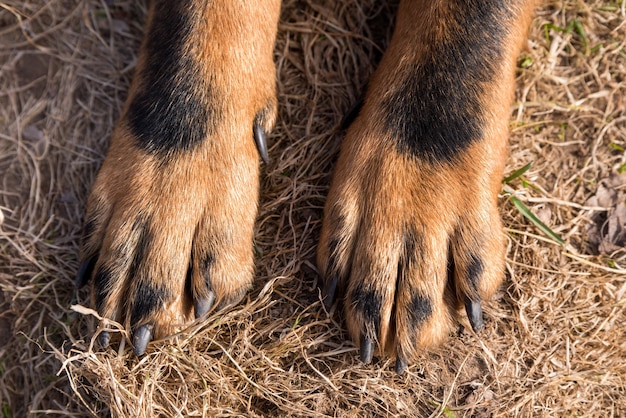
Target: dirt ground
554,343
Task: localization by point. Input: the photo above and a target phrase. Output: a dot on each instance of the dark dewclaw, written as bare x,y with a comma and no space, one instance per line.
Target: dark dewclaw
101,287
260,138
204,296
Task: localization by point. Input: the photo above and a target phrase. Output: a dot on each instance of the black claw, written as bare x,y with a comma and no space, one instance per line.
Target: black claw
331,289
204,305
261,141
104,338
367,349
474,314
401,364
142,337
84,271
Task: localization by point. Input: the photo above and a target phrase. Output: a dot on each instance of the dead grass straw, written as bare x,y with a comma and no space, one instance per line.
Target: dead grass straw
554,344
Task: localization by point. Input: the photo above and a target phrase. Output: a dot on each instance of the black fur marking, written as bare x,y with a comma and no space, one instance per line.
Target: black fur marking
369,303
410,253
148,298
334,280
474,271
352,114
206,264
420,309
174,109
331,268
85,270
102,286
412,245
435,113
88,230
143,243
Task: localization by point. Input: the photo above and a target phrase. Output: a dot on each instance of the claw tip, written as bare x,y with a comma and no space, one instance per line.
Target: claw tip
104,338
142,337
204,305
367,349
474,314
401,364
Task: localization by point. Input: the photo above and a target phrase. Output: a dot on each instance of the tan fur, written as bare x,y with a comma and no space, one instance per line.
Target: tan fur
200,201
376,192
203,202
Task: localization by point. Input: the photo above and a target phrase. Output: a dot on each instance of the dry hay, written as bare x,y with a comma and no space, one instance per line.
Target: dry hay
554,344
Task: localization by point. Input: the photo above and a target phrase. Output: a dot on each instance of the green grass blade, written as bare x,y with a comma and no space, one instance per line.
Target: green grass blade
580,31
531,217
517,173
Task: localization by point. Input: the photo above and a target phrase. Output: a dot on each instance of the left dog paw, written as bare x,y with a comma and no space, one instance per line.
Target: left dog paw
170,237
170,219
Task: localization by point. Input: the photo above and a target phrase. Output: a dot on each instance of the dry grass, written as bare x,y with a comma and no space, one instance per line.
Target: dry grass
554,345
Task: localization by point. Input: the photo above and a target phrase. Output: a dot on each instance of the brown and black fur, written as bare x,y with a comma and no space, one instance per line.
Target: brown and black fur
411,227
411,230
170,218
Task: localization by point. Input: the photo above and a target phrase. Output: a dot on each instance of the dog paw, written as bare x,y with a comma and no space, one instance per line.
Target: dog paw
411,235
169,224
170,237
407,243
